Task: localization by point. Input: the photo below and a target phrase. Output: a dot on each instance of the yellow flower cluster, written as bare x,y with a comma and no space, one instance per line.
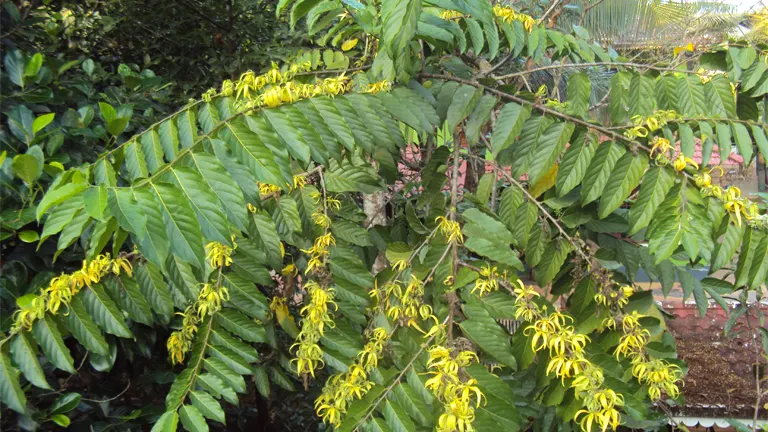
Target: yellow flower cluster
614,298
319,216
403,305
450,229
266,189
567,360
276,87
643,125
62,288
319,252
208,302
452,386
451,15
734,203
220,255
376,87
488,280
343,388
507,15
658,374
315,318
681,162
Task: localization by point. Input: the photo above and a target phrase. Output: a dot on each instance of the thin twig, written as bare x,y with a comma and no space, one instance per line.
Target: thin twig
593,64
112,398
551,8
587,9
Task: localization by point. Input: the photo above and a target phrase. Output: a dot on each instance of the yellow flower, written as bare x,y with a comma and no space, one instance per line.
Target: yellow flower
682,162
349,44
399,265
299,181
219,254
450,229
662,145
379,86
450,15
267,189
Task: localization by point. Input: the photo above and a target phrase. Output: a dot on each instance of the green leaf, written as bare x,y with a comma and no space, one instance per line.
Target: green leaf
105,312
187,126
552,260
57,195
167,422
27,167
690,96
153,150
84,329
511,200
182,278
479,117
351,232
654,186
240,325
153,241
95,199
192,420
64,403
169,139
223,186
746,255
413,404
396,416
60,217
350,178
759,269
73,230
262,381
253,153
599,170
28,236
509,125
42,121
760,140
61,420
154,289
619,100
725,248
547,149
186,239
14,68
579,89
481,329
267,234
215,386
221,370
207,405
46,333
208,117
687,143
724,142
623,180
743,141
10,390
24,352
642,100
720,98
128,295
135,162
464,101
213,221
575,162
126,210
